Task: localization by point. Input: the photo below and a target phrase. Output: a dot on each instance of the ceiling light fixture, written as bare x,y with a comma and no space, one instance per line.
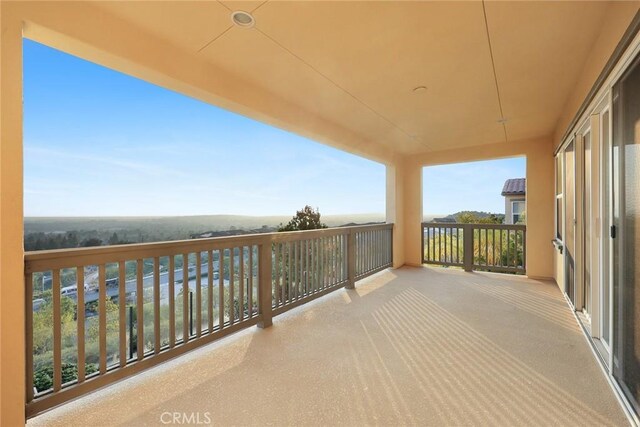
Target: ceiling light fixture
419,89
242,19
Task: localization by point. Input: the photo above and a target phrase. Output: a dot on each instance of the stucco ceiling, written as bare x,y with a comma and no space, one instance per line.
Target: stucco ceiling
355,64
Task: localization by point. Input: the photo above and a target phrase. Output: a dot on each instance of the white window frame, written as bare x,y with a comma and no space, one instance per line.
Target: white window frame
513,211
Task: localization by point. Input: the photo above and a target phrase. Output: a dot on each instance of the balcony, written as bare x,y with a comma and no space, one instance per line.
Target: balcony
427,346
406,84
127,308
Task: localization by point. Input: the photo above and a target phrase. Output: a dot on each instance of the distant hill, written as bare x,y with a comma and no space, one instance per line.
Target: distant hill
196,223
454,217
65,232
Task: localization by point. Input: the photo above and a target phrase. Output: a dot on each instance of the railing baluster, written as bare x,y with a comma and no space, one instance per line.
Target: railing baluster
210,292
486,246
493,247
508,263
232,286
335,261
102,317
251,248
433,244
122,314
370,252
172,301
296,274
302,268
450,230
313,256
283,272
515,247
221,289
278,260
80,319
322,261
198,294
140,308
57,332
185,298
502,254
289,270
305,244
156,305
241,283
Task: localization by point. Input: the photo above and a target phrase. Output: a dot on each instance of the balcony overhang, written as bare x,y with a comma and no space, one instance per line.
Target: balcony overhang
345,73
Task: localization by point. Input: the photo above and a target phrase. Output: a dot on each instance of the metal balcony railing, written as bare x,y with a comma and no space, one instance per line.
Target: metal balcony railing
488,247
97,315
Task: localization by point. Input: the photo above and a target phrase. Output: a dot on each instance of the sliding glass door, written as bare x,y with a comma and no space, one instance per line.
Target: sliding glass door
626,232
570,220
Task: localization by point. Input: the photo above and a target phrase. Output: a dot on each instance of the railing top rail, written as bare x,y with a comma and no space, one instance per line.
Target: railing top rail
62,258
475,225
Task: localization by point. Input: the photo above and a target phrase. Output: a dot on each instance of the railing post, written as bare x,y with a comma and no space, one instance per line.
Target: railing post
265,284
468,247
351,260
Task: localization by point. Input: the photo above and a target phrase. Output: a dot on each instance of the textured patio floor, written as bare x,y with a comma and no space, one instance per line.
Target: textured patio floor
422,346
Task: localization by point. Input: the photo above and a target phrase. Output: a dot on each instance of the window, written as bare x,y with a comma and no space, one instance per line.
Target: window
517,210
559,197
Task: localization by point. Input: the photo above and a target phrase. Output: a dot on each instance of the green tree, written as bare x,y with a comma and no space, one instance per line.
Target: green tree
113,240
93,241
296,277
467,218
305,219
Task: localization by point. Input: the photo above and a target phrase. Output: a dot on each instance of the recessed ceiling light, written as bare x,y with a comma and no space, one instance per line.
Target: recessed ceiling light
242,19
419,89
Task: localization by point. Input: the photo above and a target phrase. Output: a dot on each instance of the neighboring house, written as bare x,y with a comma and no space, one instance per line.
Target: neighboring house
515,199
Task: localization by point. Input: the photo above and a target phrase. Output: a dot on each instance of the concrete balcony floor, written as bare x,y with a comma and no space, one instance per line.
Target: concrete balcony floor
427,346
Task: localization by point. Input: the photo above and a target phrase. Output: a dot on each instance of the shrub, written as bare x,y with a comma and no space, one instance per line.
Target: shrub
43,377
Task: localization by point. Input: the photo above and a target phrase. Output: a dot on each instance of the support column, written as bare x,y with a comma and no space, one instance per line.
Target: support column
12,293
394,212
404,209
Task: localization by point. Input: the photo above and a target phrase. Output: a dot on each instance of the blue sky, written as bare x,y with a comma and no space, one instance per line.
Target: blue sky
101,143
98,142
469,186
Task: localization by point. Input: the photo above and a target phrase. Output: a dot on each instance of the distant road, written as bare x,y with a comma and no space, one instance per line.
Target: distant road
92,295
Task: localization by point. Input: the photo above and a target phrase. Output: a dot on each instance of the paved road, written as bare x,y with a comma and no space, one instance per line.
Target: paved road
147,282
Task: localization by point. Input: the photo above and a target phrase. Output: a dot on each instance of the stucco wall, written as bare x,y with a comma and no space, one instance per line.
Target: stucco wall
12,332
619,16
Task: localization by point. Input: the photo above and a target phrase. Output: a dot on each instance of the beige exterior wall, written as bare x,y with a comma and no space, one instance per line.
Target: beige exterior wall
540,196
619,16
12,355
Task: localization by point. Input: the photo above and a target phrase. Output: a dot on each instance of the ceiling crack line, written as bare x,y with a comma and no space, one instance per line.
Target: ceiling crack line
343,89
215,38
225,6
259,6
495,74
